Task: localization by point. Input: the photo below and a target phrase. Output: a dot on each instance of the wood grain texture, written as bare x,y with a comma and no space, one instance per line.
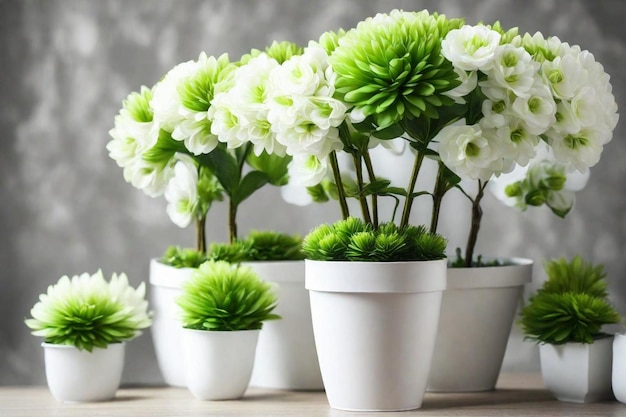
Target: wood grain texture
516,395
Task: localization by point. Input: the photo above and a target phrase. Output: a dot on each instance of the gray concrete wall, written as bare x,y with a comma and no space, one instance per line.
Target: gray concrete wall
65,209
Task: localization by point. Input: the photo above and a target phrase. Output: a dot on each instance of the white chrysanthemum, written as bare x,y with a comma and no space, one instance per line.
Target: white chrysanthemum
182,193
564,75
513,70
517,143
581,150
240,114
469,152
537,109
307,170
166,99
133,300
471,48
151,178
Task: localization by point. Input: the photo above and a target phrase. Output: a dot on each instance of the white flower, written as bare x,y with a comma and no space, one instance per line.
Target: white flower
518,144
151,178
470,153
564,75
307,170
296,194
133,300
471,47
166,99
537,109
581,150
182,193
469,80
513,70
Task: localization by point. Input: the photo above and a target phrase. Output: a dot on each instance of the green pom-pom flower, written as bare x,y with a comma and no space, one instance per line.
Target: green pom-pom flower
390,66
224,297
86,311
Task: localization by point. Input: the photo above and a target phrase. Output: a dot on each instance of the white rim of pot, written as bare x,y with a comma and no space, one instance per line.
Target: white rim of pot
58,346
278,271
516,271
168,276
365,277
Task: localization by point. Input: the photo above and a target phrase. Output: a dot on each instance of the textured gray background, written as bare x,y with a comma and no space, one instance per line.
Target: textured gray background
65,67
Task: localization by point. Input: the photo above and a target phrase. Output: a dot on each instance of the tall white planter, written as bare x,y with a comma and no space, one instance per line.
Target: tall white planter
75,375
218,364
619,367
375,325
285,355
477,313
165,286
577,372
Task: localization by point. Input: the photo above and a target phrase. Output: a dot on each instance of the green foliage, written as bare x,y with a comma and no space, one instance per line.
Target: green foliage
354,240
459,261
576,276
225,297
258,246
183,257
571,306
558,318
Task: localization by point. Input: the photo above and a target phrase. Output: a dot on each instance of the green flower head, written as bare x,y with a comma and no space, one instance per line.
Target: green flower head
390,67
225,297
137,104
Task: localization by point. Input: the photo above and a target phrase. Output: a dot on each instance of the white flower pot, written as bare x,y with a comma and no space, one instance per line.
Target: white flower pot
477,313
619,367
577,372
75,375
375,325
218,365
285,355
165,286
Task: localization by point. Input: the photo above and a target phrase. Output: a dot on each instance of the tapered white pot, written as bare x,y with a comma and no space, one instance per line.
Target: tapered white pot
285,355
218,365
165,286
577,372
477,313
619,367
75,375
375,325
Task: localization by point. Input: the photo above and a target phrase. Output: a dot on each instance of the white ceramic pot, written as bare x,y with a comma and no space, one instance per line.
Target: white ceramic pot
375,325
285,355
165,286
619,367
218,365
75,375
577,372
477,313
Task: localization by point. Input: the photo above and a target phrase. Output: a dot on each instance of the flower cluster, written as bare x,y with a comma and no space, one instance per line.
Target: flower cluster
86,311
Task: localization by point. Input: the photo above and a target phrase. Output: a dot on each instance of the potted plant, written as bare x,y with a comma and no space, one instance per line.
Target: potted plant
197,138
223,310
619,367
501,112
565,317
85,322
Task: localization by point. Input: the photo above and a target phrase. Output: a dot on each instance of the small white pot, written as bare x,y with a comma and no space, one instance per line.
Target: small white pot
218,365
165,286
477,313
75,375
619,367
285,355
375,325
577,372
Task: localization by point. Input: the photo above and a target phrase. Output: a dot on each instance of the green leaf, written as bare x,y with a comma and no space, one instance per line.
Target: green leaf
251,182
391,132
224,166
274,166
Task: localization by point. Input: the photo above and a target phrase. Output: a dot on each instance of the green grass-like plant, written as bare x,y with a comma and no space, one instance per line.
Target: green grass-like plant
571,306
183,257
354,240
226,297
87,312
477,262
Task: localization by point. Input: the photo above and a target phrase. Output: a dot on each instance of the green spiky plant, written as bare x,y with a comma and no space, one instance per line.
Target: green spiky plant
225,297
354,240
88,312
571,306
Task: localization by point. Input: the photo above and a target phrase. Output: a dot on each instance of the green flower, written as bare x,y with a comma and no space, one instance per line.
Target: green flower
86,311
225,297
390,67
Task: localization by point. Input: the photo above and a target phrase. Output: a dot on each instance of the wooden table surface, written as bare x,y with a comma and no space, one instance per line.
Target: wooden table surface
516,395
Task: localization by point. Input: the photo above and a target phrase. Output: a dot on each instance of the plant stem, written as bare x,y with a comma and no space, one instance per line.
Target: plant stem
201,233
372,177
359,180
232,221
477,214
438,193
408,201
345,212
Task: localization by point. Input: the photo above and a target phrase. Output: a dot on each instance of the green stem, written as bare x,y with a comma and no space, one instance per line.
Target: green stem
438,193
408,201
359,179
477,214
345,212
232,221
201,233
372,177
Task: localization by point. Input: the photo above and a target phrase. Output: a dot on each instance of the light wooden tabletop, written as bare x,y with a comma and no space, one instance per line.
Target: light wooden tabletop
516,395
